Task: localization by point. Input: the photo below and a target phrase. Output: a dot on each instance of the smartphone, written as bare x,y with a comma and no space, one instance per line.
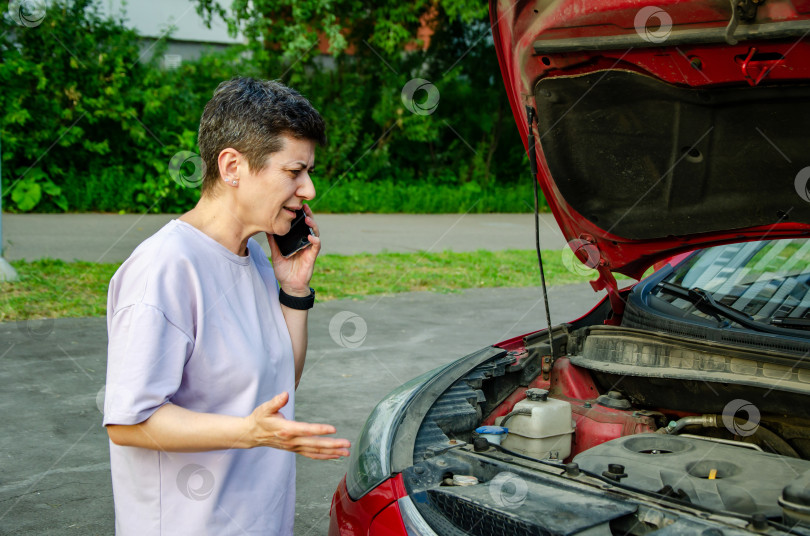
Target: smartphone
295,240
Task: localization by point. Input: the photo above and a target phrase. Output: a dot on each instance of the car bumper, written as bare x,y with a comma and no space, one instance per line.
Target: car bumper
377,513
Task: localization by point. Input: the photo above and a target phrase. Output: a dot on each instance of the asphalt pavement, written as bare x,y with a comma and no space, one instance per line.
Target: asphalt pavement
54,474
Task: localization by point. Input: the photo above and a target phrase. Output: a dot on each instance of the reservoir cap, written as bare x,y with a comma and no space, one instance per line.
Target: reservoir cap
496,430
534,394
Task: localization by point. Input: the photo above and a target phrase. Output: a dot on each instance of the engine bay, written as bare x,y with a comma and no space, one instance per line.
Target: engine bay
669,437
718,476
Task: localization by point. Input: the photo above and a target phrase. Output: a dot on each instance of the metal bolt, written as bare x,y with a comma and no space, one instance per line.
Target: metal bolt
615,472
759,521
480,444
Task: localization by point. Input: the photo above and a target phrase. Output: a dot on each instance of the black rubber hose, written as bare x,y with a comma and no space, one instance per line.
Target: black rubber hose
524,411
770,440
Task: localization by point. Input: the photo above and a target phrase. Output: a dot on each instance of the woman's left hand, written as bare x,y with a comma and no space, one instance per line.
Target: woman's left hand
295,272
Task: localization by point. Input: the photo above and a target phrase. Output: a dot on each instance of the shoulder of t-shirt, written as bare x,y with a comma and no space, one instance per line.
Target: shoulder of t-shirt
163,266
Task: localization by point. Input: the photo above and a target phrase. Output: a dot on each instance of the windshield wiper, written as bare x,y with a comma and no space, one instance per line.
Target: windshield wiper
705,303
791,322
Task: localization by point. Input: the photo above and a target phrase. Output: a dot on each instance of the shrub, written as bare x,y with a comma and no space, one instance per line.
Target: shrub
88,125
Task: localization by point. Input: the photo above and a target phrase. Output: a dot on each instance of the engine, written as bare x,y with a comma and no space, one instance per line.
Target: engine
696,470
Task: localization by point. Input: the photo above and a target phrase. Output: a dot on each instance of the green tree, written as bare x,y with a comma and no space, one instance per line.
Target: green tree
470,138
90,123
84,118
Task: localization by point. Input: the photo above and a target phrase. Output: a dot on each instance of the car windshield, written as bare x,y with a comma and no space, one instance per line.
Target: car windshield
767,280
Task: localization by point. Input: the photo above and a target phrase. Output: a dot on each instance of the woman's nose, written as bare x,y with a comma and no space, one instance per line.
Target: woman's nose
307,188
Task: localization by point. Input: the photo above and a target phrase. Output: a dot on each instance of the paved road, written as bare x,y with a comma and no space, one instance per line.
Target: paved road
111,238
54,476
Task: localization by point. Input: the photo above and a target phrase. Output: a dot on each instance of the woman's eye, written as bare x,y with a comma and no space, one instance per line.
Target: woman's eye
294,173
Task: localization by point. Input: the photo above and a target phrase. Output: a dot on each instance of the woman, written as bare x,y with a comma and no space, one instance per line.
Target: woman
207,340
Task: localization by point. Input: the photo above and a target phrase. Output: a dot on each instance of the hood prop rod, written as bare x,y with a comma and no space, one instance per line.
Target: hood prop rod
532,120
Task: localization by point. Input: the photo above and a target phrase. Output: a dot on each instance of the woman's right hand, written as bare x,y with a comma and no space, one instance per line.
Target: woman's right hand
268,428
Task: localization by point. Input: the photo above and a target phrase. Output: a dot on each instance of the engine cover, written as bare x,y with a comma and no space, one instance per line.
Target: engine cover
705,473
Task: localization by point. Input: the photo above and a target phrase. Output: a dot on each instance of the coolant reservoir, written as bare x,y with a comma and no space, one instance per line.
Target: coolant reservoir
539,426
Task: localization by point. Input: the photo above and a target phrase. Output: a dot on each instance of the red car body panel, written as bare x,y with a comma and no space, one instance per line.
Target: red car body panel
376,513
388,522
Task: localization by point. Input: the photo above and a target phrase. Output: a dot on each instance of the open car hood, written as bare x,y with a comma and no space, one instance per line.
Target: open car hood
662,128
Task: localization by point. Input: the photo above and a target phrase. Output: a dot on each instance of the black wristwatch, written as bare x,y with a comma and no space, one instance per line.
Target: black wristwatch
296,302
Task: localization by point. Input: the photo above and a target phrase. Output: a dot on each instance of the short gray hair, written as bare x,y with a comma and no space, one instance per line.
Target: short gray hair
251,116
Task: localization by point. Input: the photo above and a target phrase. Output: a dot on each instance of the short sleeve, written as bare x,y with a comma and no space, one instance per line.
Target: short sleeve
145,359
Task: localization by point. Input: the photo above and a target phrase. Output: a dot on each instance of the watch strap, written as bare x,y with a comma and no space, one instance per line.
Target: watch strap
297,302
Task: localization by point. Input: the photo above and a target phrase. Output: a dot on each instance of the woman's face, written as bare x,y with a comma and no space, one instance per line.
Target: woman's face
270,196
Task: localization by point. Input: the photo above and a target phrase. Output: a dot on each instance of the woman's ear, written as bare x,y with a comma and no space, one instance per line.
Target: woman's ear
229,161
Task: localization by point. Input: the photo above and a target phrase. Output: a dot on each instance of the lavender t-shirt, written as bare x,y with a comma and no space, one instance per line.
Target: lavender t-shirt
193,324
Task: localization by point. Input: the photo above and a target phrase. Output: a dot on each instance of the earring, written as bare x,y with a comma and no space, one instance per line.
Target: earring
234,182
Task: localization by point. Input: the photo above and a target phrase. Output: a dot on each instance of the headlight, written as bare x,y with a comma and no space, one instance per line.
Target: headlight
370,461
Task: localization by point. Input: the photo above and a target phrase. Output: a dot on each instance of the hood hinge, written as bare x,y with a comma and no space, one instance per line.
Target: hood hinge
586,250
741,10
608,282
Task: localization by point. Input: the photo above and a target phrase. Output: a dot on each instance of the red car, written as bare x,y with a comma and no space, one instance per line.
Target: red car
675,130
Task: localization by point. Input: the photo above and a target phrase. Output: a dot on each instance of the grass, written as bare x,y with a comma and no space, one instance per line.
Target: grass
387,196
52,288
